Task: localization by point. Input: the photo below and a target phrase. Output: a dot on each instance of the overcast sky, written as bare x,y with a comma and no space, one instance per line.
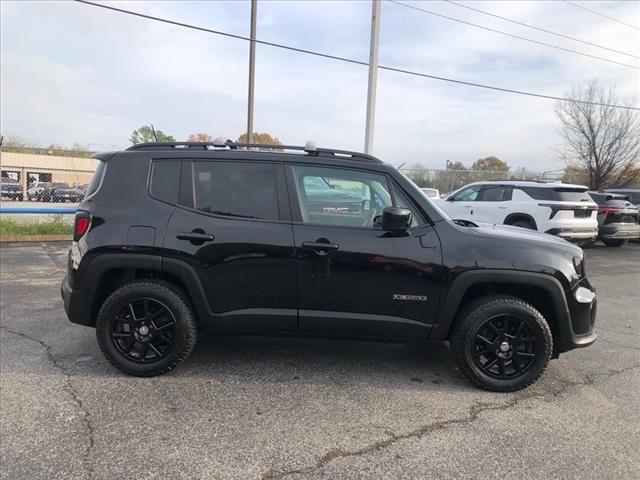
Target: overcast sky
76,73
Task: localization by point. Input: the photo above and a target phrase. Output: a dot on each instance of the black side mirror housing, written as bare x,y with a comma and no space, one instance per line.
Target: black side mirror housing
396,219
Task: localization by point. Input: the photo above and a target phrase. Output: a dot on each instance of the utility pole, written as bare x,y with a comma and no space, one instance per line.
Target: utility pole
252,70
373,76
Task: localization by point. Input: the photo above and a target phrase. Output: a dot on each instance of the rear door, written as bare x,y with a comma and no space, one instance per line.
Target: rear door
354,278
491,203
233,228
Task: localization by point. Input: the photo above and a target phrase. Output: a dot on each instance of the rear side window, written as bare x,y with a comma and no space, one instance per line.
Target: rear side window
96,180
246,190
562,194
165,180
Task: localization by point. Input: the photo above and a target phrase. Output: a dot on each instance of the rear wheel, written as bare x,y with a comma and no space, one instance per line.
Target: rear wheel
614,243
502,343
523,223
146,328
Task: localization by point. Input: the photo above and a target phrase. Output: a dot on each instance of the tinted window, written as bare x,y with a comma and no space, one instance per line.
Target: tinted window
494,193
334,196
165,180
236,189
96,179
565,194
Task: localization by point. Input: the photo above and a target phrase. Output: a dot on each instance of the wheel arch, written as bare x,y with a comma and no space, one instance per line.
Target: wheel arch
107,271
544,292
514,217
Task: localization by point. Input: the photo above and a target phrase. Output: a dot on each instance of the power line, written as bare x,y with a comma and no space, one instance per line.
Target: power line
601,14
347,60
406,5
540,29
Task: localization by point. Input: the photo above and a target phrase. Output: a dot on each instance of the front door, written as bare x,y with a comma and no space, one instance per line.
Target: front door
354,278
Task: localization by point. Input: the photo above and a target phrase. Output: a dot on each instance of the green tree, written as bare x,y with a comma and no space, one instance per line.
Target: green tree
200,137
144,134
490,164
263,138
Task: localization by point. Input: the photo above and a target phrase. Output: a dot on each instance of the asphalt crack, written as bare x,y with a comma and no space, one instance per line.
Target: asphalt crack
474,413
85,416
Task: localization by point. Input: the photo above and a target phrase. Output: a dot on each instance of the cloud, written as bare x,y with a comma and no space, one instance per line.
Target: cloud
84,74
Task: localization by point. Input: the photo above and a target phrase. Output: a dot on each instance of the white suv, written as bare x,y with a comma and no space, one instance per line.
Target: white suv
557,208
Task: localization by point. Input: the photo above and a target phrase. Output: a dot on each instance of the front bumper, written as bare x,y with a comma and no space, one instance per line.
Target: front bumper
619,231
582,313
575,234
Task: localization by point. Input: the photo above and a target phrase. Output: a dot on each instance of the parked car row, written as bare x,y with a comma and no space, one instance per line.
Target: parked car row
568,211
57,192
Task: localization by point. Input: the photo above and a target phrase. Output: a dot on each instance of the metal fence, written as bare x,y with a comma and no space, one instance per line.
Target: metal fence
44,178
450,180
57,177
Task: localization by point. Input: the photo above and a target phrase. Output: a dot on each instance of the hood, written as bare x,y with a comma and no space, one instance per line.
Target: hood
508,231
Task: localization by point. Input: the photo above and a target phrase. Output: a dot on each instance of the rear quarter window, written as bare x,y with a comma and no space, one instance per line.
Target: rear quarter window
165,180
96,180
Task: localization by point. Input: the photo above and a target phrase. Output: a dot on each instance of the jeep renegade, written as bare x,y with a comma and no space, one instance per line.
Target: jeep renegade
176,237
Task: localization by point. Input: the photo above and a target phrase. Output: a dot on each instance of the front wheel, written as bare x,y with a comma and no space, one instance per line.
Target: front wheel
502,343
614,243
146,328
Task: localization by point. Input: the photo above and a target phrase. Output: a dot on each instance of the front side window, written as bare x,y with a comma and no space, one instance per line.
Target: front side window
245,190
467,195
341,197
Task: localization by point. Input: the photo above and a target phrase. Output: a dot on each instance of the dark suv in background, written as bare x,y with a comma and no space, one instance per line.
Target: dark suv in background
617,218
236,238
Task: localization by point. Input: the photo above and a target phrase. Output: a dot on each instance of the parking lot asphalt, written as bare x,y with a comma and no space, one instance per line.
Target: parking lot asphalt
273,408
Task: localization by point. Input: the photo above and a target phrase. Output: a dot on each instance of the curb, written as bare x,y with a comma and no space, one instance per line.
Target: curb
35,238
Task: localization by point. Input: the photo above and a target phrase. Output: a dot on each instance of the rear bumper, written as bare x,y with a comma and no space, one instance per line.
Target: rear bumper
572,234
619,231
76,306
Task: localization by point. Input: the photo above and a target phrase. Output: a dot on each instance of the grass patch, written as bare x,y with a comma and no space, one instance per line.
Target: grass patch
11,227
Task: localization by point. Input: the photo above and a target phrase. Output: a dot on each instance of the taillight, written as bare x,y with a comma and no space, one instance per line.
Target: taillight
81,226
609,209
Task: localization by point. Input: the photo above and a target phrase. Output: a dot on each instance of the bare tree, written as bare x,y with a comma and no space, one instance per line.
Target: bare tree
602,139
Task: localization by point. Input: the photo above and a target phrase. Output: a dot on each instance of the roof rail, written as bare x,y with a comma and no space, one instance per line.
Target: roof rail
309,148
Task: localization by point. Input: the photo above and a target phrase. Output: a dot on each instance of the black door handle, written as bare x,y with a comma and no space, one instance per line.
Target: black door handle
197,237
320,248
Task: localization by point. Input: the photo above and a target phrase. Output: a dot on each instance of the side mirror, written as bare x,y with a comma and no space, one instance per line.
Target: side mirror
395,219
451,198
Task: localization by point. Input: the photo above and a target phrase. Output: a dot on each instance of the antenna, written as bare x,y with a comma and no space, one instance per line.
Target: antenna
154,133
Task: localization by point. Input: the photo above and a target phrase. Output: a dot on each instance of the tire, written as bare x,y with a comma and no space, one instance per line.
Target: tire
171,332
511,318
588,244
614,243
522,223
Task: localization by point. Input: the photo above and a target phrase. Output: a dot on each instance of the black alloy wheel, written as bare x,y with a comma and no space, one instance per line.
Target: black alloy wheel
504,347
501,343
144,330
146,327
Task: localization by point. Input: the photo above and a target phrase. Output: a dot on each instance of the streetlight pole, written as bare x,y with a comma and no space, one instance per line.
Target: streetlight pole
373,76
252,70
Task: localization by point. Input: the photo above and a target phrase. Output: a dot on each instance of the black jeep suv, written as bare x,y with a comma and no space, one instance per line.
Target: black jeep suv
175,237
